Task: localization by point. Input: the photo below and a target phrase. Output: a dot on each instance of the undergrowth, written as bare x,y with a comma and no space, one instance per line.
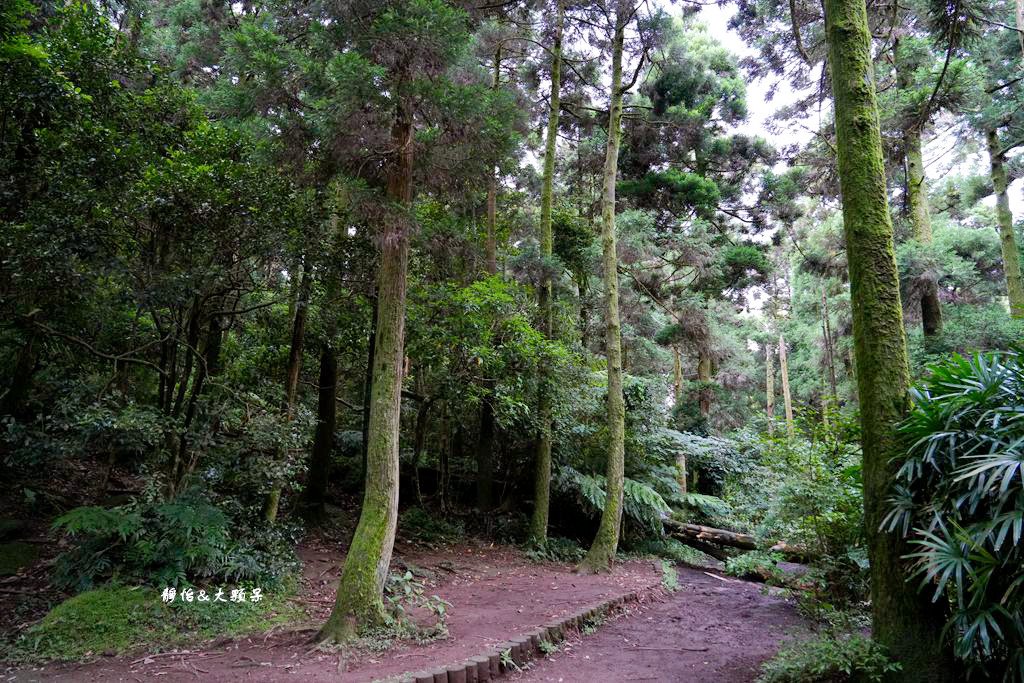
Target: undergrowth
117,619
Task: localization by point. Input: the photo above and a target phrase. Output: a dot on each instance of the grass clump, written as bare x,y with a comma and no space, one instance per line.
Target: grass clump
829,659
116,619
669,577
757,565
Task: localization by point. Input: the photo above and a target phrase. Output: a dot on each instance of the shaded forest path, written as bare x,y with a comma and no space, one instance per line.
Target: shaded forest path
713,630
496,592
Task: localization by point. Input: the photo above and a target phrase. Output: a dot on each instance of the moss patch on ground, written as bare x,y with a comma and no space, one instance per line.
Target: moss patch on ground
118,619
15,555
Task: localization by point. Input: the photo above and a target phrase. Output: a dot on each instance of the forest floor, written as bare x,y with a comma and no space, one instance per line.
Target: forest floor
713,629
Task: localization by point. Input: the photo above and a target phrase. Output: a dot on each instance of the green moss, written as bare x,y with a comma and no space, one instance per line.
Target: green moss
120,618
14,556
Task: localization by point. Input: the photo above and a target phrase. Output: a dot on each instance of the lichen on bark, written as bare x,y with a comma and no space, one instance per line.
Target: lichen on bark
602,551
905,622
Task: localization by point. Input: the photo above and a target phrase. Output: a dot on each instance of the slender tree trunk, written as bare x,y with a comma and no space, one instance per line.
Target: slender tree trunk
769,384
359,601
787,398
917,198
371,348
903,621
291,382
542,472
830,350
491,241
677,375
704,373
323,439
602,551
485,456
1007,240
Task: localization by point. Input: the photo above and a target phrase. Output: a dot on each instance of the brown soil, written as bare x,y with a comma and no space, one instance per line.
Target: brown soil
713,630
495,593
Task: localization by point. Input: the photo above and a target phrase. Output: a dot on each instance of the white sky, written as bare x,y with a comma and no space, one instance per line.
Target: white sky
943,154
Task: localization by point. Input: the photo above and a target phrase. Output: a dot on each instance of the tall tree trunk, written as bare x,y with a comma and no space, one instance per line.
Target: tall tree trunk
542,471
1008,241
491,241
903,621
371,348
769,386
917,198
677,375
787,398
830,349
291,382
704,373
359,602
606,542
485,456
323,439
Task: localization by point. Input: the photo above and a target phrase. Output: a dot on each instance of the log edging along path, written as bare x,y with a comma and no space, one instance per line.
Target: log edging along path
525,648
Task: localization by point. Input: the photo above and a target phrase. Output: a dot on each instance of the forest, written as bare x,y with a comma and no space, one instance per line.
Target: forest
557,340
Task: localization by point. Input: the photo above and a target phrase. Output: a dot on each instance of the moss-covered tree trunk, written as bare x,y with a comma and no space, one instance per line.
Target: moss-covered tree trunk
606,542
542,465
485,435
903,620
359,603
1007,240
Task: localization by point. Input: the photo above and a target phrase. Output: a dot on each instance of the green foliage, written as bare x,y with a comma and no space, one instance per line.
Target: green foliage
178,543
119,619
756,564
669,577
828,659
419,525
959,497
404,595
557,549
642,504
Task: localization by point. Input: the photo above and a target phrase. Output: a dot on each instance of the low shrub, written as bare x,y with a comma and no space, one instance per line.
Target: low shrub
829,659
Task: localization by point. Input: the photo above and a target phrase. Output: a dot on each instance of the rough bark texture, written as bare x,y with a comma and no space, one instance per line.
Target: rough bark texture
606,542
359,600
787,398
1007,240
903,621
542,471
704,374
917,200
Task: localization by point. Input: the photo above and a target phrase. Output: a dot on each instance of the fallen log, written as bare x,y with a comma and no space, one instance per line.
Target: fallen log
705,538
709,534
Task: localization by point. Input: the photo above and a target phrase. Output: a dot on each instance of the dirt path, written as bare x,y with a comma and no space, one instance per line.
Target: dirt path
495,592
712,630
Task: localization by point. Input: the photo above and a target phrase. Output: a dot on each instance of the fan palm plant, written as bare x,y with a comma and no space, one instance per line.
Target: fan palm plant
959,497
